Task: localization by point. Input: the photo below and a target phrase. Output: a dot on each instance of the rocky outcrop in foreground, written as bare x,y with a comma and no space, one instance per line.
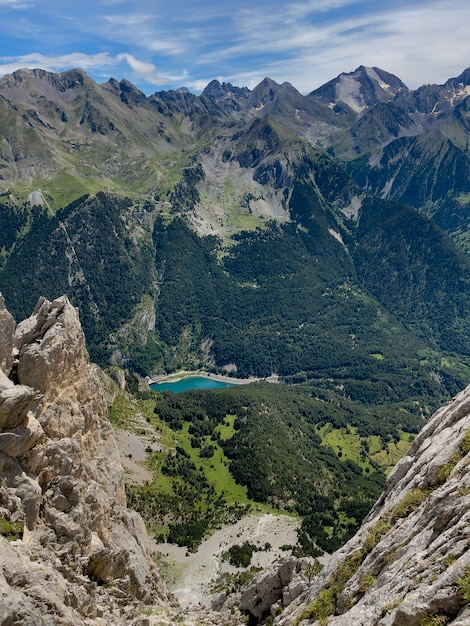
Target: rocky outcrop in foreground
72,553
409,564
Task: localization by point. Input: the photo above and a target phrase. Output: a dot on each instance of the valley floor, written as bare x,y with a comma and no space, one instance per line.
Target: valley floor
191,576
195,574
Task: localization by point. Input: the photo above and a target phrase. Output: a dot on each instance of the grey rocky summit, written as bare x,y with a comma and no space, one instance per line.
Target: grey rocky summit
80,555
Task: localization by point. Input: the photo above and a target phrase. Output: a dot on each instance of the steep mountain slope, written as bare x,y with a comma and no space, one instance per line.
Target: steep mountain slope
99,252
291,296
416,150
70,135
364,87
409,563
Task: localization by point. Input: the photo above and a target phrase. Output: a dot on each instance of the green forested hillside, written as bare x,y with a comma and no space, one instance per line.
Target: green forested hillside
356,311
416,272
299,449
284,302
95,251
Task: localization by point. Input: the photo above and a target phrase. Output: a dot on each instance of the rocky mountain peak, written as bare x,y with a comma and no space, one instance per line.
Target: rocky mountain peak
77,548
25,85
360,89
265,90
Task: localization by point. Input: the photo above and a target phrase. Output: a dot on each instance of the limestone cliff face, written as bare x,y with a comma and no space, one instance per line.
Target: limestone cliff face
409,564
83,557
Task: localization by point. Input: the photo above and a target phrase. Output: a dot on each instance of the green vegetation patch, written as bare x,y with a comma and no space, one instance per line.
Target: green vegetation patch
324,604
240,555
222,453
410,502
231,583
11,530
463,585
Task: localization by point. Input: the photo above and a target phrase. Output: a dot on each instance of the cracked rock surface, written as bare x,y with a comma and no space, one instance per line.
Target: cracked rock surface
82,557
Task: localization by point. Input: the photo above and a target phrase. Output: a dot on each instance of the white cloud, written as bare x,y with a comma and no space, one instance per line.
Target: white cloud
100,64
55,63
148,71
17,4
427,43
305,42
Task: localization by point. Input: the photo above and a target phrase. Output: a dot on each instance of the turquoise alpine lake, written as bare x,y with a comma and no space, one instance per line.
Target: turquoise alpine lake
191,382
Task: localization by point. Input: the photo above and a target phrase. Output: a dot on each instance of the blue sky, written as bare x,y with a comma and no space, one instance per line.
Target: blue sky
166,44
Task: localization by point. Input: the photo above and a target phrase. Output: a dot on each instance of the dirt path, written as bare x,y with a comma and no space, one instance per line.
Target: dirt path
195,573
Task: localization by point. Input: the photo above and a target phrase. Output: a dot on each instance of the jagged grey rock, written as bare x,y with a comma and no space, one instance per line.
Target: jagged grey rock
61,476
7,324
275,587
404,565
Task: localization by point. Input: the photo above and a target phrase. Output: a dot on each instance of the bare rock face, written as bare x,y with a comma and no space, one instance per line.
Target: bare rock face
273,587
409,564
7,324
62,481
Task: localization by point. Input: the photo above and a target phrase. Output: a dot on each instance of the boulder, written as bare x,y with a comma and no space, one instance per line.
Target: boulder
267,588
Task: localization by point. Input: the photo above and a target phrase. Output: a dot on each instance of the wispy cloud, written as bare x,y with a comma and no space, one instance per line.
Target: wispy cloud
101,63
148,71
305,42
57,63
17,4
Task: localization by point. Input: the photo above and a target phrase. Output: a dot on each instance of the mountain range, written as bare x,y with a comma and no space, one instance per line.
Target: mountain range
67,133
253,231
320,240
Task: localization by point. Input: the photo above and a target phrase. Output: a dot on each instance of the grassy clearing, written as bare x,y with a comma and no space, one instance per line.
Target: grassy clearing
347,444
344,441
393,452
136,415
216,469
227,428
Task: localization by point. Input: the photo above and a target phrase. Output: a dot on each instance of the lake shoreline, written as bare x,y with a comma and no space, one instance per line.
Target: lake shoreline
178,376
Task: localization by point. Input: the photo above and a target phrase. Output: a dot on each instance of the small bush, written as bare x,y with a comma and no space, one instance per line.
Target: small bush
324,604
11,530
321,608
240,555
311,570
366,582
445,471
390,606
345,571
409,503
463,585
378,531
465,443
